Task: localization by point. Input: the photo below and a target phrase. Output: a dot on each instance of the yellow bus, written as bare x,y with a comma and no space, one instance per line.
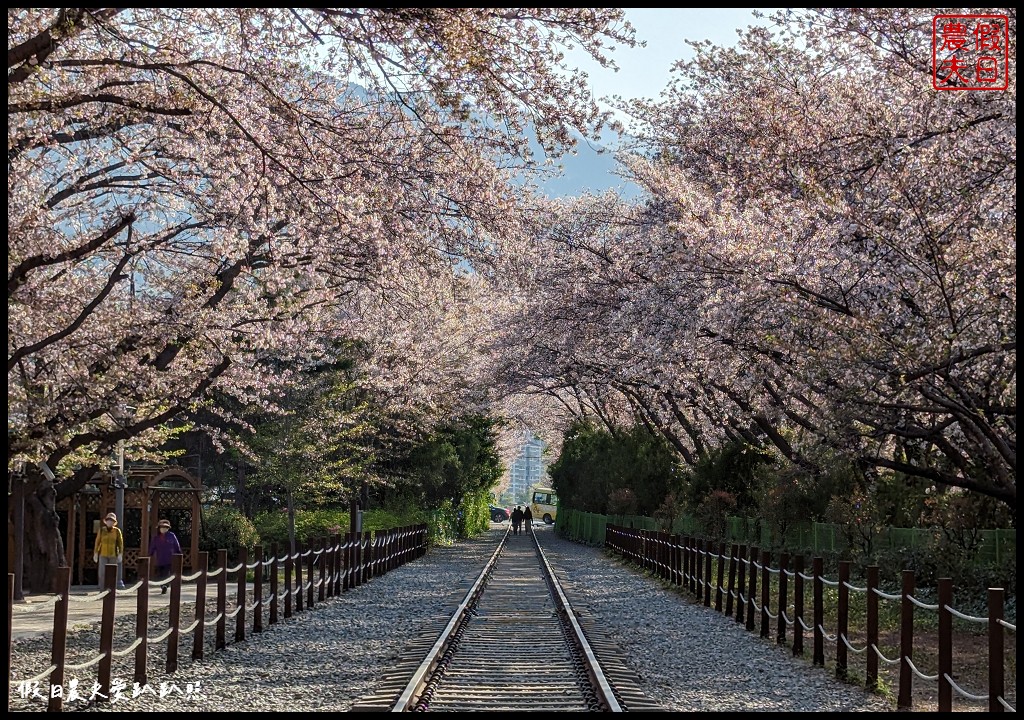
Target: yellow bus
543,504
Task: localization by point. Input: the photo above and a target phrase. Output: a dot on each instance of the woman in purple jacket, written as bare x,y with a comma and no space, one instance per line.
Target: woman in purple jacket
162,548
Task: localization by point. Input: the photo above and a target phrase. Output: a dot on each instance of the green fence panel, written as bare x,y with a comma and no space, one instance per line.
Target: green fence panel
997,546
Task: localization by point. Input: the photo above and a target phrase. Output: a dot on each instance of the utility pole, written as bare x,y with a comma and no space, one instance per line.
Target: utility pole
17,494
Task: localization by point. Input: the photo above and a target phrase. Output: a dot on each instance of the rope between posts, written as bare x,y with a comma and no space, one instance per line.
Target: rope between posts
38,677
969,618
193,576
29,607
854,587
214,620
963,692
161,637
128,590
919,673
852,648
920,604
883,658
84,665
89,598
190,628
130,648
830,638
887,596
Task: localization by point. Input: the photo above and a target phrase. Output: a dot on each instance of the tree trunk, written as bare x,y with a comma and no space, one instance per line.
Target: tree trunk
240,486
291,524
44,546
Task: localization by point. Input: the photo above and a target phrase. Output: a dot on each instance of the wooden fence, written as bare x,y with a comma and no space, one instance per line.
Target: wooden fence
339,564
731,583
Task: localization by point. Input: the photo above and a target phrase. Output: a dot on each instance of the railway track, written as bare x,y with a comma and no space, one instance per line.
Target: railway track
514,643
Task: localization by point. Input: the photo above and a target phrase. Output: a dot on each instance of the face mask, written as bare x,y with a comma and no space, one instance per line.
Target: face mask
163,530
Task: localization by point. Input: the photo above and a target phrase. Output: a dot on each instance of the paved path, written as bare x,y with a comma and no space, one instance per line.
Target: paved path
35,615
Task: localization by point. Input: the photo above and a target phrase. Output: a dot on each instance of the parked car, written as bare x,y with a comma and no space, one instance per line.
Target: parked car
498,514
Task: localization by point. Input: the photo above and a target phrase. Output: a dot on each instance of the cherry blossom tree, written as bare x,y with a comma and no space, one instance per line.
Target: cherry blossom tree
197,196
826,255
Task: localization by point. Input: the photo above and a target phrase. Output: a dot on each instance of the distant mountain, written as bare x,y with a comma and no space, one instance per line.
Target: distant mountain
590,168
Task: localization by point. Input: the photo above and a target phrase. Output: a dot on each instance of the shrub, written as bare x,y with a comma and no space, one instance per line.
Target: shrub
225,528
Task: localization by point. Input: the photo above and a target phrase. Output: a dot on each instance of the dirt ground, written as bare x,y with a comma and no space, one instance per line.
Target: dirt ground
970,669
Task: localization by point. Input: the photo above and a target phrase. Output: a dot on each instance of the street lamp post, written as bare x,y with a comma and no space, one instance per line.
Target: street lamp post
120,482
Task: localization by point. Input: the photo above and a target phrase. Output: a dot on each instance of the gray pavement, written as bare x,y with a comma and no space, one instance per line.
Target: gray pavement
34,616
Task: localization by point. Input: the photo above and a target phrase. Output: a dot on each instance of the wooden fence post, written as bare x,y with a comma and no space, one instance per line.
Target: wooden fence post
995,649
257,591
945,645
357,559
798,605
310,587
691,556
330,566
783,603
367,557
174,608
107,632
274,549
871,664
730,589
752,589
10,631
905,700
142,622
843,619
199,636
707,572
339,562
58,643
819,612
222,599
325,556
346,570
240,593
719,575
741,583
298,576
288,560
766,587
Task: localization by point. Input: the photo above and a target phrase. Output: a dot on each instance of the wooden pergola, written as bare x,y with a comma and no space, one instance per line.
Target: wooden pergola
153,493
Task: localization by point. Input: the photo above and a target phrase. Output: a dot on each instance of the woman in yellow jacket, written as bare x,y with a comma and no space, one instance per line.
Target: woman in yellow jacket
109,548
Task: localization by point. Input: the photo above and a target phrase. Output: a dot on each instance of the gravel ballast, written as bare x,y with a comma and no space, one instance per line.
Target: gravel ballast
687,656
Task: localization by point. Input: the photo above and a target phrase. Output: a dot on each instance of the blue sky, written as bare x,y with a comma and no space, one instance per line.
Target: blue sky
644,72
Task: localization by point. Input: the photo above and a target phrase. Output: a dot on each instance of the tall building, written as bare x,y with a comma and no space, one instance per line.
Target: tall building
529,468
